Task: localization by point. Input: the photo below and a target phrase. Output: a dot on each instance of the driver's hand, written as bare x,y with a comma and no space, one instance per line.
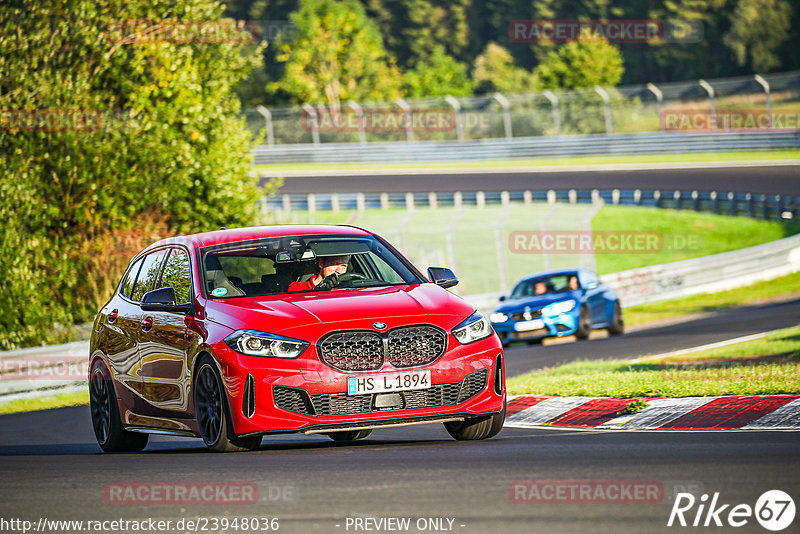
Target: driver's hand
329,282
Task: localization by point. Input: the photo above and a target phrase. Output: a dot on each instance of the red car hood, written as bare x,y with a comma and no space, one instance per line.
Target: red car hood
348,308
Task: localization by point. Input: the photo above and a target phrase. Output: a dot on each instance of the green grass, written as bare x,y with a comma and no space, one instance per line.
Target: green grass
46,403
708,302
702,157
685,234
767,366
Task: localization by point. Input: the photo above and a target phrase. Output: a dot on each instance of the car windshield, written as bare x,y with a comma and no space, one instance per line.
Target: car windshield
268,266
559,283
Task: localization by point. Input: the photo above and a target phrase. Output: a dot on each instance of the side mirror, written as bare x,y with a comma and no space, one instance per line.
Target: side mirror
502,298
163,299
442,277
591,285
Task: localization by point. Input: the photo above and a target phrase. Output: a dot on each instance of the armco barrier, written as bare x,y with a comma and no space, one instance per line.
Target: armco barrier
60,368
524,147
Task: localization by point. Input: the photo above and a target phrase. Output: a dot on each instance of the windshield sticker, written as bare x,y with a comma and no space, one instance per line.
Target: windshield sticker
220,292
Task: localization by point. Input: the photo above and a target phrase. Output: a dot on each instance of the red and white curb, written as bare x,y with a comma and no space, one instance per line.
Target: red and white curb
748,412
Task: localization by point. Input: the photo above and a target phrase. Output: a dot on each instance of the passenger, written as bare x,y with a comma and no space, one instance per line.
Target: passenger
573,283
330,268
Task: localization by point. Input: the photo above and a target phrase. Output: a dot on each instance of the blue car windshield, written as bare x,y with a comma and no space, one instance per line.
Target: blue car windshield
559,283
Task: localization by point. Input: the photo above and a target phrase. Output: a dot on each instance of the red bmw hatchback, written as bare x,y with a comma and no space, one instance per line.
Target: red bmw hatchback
234,334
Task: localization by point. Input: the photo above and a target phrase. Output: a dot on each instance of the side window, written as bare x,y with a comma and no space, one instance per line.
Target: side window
148,275
130,278
178,275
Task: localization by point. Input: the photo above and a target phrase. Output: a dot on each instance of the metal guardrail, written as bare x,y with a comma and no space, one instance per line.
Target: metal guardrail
524,147
759,206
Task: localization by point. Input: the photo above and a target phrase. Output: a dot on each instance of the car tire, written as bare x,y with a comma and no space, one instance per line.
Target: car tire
211,411
349,435
106,422
617,327
584,324
474,428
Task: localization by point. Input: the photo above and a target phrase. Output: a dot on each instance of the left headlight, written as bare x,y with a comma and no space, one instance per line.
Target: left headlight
475,327
255,343
557,308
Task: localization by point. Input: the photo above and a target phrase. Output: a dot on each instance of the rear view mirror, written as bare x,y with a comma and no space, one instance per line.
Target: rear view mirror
285,256
442,276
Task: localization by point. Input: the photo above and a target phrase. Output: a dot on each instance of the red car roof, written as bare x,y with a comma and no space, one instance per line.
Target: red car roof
256,232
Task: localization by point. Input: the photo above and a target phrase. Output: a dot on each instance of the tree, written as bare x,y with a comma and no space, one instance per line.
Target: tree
758,29
437,75
338,55
495,71
587,62
111,128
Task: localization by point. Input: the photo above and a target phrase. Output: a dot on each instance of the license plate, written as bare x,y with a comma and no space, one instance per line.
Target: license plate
357,385
524,326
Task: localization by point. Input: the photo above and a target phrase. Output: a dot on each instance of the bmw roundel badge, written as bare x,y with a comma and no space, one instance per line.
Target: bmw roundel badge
379,326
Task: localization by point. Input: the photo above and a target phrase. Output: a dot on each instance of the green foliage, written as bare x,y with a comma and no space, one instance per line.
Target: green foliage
633,407
338,55
437,75
758,28
147,140
495,70
584,63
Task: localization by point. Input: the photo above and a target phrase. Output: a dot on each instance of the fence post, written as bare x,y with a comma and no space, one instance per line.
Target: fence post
433,200
314,117
410,201
556,114
695,201
551,196
659,99
573,196
506,114
409,126
677,196
384,201
657,198
362,133
637,197
456,105
335,202
312,203
714,202
361,202
527,197
505,198
480,199
710,90
458,200
731,203
267,114
287,203
765,85
606,107
615,196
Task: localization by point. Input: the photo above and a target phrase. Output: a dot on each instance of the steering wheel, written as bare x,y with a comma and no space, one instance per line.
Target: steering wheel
347,277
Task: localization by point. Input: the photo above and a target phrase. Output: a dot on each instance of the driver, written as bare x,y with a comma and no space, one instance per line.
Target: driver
330,268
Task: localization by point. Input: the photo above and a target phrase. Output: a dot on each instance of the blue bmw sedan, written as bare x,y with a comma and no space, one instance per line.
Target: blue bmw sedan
557,303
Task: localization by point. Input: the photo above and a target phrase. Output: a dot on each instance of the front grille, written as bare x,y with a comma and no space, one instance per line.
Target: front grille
415,345
533,314
352,351
298,400
359,350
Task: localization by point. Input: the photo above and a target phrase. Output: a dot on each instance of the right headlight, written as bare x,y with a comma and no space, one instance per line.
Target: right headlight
475,327
255,343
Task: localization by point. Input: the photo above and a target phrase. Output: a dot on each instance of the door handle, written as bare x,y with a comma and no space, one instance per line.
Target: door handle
112,317
147,324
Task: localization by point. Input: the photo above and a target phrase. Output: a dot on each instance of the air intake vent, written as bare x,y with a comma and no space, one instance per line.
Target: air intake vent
249,397
499,375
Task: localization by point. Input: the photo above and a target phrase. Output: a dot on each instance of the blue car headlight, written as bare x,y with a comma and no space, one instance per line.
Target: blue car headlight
475,327
498,317
255,343
557,308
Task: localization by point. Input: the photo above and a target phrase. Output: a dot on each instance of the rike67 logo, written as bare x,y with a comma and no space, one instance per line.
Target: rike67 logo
774,510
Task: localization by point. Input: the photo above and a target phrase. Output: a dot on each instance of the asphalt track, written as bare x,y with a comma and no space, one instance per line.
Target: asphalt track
52,468
777,179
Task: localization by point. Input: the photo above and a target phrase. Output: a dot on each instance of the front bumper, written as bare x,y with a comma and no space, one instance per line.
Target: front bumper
564,324
306,395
